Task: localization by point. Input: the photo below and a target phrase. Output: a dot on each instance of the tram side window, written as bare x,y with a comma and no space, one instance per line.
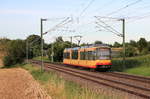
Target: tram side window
75,54
82,55
67,55
90,55
94,55
86,55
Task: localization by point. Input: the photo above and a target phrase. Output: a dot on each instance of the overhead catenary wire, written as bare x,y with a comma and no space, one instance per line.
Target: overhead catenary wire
136,10
84,10
126,6
108,25
106,5
108,30
107,17
59,25
135,18
144,15
55,19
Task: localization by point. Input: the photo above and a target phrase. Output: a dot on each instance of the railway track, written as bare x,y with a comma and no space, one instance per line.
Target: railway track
120,75
141,89
128,76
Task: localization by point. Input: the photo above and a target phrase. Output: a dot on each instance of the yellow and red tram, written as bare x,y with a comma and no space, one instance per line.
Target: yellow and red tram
94,56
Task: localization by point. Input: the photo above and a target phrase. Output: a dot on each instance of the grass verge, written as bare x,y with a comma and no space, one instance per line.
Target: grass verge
44,58
58,88
139,65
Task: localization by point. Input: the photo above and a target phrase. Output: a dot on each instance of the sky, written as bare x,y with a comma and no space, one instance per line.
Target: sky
21,18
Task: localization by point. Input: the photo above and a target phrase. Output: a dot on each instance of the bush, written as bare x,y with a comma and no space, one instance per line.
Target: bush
145,51
7,61
131,51
131,62
142,44
16,52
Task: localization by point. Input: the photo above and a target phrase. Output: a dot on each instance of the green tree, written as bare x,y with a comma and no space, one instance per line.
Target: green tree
34,45
59,39
142,44
148,46
133,43
58,47
34,40
131,51
98,42
3,44
4,40
16,52
116,44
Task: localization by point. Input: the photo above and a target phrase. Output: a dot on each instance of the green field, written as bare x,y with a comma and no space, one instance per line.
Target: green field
139,65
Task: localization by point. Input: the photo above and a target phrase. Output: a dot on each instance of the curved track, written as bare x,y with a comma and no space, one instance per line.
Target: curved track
124,82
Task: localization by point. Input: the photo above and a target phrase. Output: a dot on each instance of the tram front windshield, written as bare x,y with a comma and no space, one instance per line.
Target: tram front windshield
103,53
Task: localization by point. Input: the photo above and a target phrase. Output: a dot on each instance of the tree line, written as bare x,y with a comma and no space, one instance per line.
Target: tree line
17,50
135,48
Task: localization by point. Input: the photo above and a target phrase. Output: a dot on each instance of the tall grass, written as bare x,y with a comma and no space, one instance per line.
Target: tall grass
58,88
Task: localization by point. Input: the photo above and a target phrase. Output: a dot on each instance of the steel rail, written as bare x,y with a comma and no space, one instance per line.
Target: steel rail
96,79
133,77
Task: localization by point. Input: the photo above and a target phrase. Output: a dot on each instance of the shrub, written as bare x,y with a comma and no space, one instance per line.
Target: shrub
7,61
131,51
145,51
142,44
16,52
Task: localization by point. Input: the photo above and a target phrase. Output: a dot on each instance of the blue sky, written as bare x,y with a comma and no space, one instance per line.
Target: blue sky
21,18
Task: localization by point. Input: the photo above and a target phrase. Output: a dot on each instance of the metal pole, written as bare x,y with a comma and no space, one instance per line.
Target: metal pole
27,52
79,42
42,65
52,55
71,41
124,47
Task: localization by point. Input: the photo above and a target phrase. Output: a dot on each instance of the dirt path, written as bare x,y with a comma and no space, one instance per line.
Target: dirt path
17,83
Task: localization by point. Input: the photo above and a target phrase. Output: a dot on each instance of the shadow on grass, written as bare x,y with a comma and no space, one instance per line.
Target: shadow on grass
13,66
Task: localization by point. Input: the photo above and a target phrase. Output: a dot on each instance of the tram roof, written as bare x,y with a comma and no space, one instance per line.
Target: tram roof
90,46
